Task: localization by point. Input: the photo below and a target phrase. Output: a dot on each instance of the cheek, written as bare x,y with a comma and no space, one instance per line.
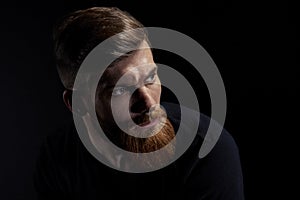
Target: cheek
121,107
103,108
156,92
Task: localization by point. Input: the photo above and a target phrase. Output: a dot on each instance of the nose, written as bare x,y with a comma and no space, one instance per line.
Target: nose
141,100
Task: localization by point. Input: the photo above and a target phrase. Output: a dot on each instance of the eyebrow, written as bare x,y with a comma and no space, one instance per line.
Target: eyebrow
110,86
154,70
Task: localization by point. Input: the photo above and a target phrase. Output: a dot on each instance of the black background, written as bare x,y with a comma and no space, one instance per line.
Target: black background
254,44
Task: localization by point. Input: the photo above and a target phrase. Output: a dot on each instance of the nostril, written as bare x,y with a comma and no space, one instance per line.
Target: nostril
139,107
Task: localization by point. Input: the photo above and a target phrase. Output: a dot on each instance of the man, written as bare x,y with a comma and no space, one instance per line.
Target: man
127,105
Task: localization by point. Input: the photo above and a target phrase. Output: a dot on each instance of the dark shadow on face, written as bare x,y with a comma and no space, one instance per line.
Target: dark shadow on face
128,94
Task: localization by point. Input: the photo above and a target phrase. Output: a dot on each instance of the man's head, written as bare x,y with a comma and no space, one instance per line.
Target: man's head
81,31
130,80
128,94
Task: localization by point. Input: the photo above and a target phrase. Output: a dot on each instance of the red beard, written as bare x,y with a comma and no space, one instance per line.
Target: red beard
157,141
150,144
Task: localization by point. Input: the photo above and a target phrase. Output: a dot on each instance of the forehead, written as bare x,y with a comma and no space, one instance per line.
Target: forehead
138,62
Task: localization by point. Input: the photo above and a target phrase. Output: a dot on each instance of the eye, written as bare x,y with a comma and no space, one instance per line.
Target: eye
150,79
118,91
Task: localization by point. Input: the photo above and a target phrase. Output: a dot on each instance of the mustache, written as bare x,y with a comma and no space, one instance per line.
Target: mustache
150,144
147,117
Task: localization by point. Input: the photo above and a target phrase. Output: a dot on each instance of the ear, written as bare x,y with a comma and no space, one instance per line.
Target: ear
67,97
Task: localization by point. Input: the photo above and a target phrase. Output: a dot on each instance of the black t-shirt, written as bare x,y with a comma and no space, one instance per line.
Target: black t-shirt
66,170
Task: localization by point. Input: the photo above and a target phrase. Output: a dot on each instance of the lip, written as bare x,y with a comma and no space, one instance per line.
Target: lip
149,124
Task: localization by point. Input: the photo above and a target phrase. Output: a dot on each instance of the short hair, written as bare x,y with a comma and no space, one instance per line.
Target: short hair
81,31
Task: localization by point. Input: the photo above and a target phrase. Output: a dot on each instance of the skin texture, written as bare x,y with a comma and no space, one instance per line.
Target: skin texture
136,72
132,87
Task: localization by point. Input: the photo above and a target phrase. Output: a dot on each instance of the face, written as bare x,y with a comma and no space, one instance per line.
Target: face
132,87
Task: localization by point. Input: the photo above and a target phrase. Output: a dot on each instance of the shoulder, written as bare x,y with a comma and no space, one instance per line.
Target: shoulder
52,163
61,145
217,174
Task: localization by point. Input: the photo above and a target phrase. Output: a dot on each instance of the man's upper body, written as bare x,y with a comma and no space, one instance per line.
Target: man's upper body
125,103
66,170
